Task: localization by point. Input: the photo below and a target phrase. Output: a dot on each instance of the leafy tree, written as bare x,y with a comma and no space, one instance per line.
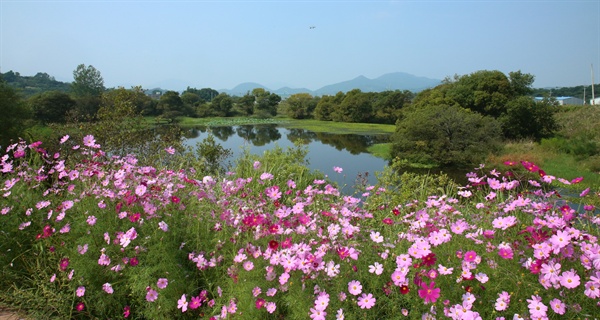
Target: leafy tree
356,107
486,92
521,83
141,103
326,106
300,105
170,105
527,119
87,81
444,136
266,103
52,106
14,114
387,105
206,94
87,88
246,103
221,105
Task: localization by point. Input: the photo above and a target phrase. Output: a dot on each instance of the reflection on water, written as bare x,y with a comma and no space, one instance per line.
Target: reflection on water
325,150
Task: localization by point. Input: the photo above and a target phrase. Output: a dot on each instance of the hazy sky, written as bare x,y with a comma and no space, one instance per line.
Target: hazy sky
219,44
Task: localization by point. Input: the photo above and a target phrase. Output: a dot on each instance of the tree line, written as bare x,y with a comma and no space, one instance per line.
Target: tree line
458,122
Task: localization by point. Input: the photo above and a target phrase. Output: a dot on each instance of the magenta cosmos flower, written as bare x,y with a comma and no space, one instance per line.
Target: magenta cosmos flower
429,293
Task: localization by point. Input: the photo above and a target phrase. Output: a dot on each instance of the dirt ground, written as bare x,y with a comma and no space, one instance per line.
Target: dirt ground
9,315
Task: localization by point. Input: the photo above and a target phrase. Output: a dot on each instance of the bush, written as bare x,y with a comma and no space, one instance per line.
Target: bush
445,136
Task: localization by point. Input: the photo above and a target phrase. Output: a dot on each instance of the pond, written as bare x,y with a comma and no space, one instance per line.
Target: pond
325,150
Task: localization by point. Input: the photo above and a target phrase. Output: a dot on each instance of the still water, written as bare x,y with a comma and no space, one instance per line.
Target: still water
325,150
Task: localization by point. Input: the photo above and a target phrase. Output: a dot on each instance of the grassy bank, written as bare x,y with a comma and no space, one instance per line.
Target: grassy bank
307,124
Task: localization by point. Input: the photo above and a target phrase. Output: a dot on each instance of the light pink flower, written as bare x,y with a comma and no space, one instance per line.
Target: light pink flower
354,287
182,303
569,279
366,301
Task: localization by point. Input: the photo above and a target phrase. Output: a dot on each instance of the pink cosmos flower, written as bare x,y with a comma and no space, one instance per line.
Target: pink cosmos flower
505,253
429,293
151,294
195,303
89,141
366,301
260,302
80,291
569,279
162,283
170,150
316,314
182,303
271,306
470,256
557,306
354,287
338,169
248,265
64,139
107,287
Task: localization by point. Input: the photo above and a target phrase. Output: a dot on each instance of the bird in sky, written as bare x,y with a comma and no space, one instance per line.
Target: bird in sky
311,27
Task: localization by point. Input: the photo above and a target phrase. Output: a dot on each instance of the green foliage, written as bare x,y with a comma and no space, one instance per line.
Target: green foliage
355,107
221,105
387,105
39,83
170,106
300,105
445,136
527,119
15,114
265,102
87,88
52,106
87,81
205,94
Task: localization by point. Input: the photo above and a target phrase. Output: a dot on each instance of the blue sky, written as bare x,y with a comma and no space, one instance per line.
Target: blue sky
219,44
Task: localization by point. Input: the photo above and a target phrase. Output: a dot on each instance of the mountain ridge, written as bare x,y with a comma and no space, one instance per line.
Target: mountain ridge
388,81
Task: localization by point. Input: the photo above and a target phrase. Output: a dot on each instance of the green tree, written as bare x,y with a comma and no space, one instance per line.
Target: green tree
387,105
486,92
266,103
87,88
327,106
528,119
445,136
521,83
87,80
170,105
246,104
221,105
141,103
206,94
15,114
356,107
52,106
300,105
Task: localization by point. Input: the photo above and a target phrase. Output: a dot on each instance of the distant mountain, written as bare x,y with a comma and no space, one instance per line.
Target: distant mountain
390,81
242,88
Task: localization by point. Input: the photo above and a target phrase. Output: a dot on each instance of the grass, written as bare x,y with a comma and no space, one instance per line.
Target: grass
552,162
381,150
308,124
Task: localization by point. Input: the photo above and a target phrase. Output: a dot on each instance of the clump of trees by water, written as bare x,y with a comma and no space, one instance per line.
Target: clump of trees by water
459,122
